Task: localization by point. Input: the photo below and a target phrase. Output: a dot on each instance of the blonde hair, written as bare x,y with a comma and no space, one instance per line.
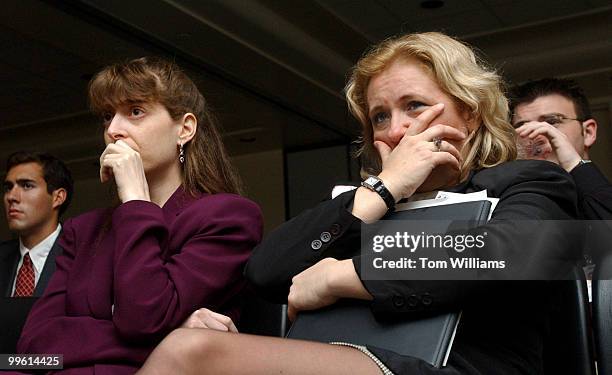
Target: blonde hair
207,167
460,74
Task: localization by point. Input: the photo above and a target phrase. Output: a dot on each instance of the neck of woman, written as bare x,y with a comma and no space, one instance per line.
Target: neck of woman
163,185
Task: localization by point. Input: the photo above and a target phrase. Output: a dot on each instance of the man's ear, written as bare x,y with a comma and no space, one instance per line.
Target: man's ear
189,126
59,197
589,129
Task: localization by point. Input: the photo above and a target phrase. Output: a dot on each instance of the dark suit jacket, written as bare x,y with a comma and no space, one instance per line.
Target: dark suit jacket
14,311
9,258
594,192
129,276
503,323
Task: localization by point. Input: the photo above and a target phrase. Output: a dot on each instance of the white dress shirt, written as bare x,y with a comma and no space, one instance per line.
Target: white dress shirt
38,254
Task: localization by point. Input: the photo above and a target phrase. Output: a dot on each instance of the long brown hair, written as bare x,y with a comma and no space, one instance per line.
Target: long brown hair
207,167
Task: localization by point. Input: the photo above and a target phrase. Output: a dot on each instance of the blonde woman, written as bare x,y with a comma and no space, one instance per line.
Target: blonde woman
433,117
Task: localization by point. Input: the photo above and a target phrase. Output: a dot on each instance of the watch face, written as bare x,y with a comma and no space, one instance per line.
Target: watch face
371,181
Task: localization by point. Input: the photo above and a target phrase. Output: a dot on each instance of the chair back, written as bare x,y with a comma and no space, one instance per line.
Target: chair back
568,348
602,314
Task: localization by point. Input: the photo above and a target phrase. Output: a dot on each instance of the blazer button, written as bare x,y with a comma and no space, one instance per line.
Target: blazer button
335,229
413,300
316,244
398,301
325,237
426,299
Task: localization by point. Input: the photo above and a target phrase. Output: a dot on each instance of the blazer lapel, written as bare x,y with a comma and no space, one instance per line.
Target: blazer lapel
9,257
48,268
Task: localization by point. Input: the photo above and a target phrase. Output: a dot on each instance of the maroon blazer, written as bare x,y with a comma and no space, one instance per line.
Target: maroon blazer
129,276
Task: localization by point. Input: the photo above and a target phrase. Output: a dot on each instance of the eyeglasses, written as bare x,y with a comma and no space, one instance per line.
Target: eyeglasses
553,119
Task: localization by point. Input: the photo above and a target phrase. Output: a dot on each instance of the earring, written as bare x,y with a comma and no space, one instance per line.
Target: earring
181,153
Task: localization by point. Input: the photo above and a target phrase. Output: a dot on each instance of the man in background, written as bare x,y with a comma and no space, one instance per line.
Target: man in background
556,112
37,190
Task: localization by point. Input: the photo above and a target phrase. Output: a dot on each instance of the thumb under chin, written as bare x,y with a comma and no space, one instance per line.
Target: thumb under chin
382,148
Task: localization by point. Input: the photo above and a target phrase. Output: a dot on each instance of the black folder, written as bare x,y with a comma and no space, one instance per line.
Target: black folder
428,338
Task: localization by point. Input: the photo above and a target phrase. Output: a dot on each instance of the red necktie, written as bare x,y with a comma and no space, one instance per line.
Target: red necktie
24,287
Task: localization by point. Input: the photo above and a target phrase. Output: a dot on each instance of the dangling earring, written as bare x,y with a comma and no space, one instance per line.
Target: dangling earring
181,153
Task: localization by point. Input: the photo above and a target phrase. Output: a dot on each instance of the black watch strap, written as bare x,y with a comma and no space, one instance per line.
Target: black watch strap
376,185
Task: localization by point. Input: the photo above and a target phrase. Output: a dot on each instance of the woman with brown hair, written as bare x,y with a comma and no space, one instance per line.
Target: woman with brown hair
176,242
433,117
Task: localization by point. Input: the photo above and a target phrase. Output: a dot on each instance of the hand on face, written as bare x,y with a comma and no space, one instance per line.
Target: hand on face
558,143
411,163
123,163
310,289
205,318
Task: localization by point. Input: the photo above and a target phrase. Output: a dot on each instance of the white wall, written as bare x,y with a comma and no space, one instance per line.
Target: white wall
88,194
601,152
311,174
263,176
261,172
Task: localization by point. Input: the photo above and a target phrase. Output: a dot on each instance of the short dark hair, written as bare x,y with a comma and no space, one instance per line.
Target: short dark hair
55,172
567,88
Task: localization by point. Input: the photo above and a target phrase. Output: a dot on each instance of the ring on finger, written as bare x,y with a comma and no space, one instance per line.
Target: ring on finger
438,143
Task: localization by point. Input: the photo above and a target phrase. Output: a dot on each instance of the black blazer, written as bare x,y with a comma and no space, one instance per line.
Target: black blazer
503,323
594,192
9,259
14,311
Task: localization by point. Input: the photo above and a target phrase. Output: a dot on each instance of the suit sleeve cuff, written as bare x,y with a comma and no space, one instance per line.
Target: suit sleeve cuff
588,179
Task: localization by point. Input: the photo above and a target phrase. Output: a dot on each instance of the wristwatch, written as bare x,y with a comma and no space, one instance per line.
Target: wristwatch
581,162
376,185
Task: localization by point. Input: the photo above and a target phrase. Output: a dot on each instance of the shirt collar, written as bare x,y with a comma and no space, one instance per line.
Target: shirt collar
38,254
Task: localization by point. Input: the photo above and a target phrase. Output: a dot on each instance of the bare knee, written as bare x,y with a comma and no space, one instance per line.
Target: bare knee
176,353
181,352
